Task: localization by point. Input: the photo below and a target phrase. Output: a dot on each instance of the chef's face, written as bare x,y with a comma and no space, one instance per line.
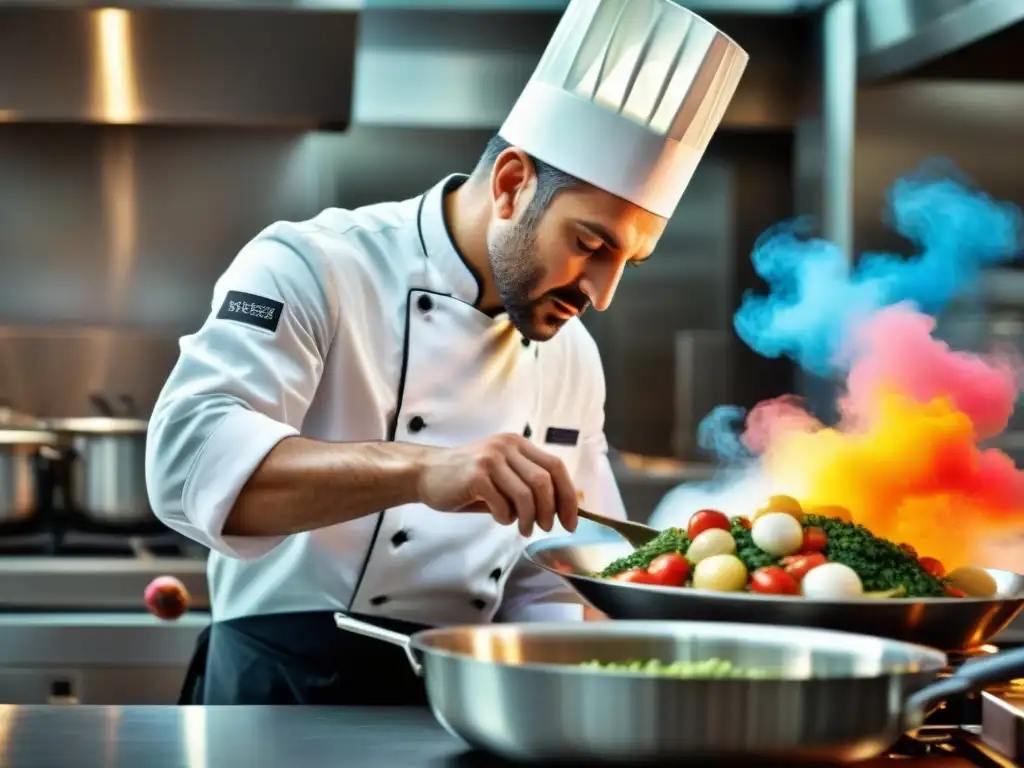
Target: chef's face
551,262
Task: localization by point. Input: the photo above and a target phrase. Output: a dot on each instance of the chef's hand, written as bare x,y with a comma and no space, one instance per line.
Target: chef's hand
506,476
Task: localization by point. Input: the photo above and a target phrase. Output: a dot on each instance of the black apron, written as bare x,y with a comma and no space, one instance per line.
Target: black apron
300,658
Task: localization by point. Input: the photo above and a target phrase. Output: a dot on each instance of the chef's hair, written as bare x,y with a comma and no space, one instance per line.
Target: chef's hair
550,180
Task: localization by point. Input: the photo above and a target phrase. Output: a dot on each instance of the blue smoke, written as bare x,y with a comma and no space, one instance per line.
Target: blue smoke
815,295
719,433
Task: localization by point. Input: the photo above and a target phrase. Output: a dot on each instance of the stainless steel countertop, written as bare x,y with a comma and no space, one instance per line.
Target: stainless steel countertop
261,737
211,737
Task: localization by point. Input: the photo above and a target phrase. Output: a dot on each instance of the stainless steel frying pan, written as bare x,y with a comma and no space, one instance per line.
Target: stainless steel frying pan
951,624
517,690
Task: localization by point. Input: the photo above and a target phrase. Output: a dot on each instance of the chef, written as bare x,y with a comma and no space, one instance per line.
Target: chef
386,403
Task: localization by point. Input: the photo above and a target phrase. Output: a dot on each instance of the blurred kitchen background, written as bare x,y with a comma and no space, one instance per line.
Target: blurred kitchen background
141,147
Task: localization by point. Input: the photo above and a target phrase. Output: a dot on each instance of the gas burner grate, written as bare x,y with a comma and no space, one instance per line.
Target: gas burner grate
93,544
957,660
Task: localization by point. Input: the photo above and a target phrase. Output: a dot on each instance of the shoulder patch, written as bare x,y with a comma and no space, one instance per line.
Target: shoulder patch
250,309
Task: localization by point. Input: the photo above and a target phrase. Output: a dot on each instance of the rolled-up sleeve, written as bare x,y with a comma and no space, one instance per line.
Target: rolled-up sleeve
534,594
242,384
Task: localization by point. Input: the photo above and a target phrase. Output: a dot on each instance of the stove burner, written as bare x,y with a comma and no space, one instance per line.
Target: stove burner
957,660
80,537
38,543
84,544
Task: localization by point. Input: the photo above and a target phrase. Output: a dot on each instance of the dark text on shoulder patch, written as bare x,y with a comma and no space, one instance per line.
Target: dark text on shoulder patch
562,436
257,311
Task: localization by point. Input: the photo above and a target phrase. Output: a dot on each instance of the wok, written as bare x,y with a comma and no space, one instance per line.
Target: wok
516,690
951,624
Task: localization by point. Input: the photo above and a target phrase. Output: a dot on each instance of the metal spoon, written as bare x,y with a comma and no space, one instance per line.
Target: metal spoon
636,534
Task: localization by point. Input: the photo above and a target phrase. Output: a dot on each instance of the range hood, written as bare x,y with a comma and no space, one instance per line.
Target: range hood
897,37
181,63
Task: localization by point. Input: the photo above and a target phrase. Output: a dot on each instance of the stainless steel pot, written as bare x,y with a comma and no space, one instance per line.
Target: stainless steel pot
24,480
105,476
517,690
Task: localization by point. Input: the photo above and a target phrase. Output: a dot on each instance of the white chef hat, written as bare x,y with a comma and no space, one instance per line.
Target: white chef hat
627,96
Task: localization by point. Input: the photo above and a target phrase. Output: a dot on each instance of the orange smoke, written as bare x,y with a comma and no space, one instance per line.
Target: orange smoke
905,458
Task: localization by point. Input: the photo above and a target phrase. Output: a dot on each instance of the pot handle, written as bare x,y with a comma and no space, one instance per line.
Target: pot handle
102,405
972,677
348,624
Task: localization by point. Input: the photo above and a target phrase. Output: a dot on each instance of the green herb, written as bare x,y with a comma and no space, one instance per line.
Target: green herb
709,669
881,564
669,540
748,552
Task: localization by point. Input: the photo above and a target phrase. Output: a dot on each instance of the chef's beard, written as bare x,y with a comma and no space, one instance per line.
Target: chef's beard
517,268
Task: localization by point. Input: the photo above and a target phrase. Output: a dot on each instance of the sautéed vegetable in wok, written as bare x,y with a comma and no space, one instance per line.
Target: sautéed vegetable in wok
783,550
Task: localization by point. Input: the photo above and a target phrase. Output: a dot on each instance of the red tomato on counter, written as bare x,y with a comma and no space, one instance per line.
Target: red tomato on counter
933,566
815,539
955,591
774,581
705,519
635,576
669,570
797,566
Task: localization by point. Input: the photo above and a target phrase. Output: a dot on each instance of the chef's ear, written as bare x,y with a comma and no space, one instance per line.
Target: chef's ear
513,182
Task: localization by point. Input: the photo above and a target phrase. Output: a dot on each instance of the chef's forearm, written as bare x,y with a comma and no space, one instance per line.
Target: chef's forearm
305,484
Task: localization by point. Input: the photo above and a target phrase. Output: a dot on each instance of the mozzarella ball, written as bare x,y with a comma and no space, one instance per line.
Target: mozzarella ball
713,541
976,582
778,534
721,573
831,581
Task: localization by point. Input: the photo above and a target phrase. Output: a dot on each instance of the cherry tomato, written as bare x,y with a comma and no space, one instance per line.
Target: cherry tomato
933,566
797,566
635,576
815,539
955,591
909,549
706,518
743,521
774,581
669,570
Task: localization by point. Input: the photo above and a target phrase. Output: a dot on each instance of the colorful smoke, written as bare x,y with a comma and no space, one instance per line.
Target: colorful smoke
904,457
816,297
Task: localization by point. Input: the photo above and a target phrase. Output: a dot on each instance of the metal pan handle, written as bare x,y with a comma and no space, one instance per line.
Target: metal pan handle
970,678
348,624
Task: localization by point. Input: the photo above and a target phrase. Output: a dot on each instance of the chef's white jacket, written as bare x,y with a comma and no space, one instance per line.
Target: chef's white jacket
359,326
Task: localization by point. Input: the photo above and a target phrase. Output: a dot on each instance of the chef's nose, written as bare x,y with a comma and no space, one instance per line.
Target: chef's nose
600,281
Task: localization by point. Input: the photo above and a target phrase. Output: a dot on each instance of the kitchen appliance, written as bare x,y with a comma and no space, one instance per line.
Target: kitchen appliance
829,696
104,476
952,624
26,459
703,377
